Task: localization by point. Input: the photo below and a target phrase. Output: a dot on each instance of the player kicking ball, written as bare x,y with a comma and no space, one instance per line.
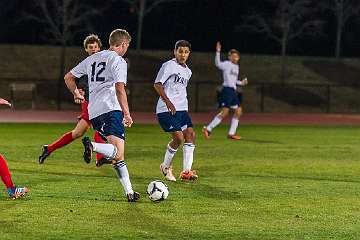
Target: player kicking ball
229,98
172,111
108,106
14,192
92,44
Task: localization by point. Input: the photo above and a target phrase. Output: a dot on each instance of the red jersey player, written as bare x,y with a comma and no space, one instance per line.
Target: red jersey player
13,191
92,44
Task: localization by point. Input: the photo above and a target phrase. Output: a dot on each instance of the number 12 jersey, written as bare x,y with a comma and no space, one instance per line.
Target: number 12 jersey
103,69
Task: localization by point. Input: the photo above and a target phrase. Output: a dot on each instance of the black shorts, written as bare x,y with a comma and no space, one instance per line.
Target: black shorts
110,123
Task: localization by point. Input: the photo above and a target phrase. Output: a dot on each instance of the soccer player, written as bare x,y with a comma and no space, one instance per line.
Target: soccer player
13,191
92,44
172,111
108,106
229,98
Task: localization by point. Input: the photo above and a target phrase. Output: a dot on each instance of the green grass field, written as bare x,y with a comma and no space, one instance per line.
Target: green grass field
277,183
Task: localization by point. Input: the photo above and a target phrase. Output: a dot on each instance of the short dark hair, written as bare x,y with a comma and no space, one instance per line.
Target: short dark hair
182,43
232,51
92,38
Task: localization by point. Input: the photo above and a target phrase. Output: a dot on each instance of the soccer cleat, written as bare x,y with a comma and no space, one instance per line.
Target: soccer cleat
87,149
206,132
167,173
189,175
234,137
133,197
102,161
45,153
17,192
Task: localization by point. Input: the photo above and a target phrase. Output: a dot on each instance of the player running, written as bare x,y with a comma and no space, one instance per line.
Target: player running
108,106
14,192
92,44
229,98
172,111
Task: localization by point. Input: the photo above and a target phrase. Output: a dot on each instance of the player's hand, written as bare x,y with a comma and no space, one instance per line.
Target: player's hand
245,82
127,120
81,92
171,107
78,97
218,47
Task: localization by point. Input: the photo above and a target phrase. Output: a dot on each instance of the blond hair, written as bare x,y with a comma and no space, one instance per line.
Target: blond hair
92,38
118,36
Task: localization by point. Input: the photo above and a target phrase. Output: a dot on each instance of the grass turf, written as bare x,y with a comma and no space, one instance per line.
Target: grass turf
277,183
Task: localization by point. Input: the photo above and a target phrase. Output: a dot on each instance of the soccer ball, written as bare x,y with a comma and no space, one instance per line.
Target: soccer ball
157,191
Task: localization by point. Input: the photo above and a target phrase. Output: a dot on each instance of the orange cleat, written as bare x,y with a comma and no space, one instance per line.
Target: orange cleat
189,175
206,132
234,137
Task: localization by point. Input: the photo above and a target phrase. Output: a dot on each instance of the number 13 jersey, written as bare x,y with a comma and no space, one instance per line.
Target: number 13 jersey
103,69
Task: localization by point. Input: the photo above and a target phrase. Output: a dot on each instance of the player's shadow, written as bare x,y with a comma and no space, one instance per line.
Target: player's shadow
309,178
65,174
150,225
260,141
208,191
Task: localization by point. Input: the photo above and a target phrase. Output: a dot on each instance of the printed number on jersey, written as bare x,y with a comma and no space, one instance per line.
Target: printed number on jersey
96,70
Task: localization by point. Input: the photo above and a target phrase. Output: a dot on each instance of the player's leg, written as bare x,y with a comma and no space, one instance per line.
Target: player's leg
121,169
188,155
114,150
236,105
177,139
111,126
13,191
170,123
81,127
224,99
234,124
215,122
100,159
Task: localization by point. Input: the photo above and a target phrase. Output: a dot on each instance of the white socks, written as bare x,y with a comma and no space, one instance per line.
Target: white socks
169,155
216,121
188,156
123,174
106,149
233,126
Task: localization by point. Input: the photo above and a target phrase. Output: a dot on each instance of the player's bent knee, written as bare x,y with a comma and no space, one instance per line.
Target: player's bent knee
76,134
224,113
178,139
118,158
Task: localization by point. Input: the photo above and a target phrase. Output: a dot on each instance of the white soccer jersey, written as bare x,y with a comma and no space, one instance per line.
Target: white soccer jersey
103,69
229,70
174,78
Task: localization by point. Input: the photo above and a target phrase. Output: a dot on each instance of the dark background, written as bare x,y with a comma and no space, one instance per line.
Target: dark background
202,22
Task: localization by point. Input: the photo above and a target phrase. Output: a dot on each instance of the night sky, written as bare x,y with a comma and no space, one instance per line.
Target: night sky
202,22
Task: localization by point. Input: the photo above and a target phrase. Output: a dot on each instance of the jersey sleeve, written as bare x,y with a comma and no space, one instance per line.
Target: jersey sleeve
79,70
218,63
163,74
119,70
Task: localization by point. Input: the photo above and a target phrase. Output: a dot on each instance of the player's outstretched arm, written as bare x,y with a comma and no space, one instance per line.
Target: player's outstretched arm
160,90
71,85
218,63
122,98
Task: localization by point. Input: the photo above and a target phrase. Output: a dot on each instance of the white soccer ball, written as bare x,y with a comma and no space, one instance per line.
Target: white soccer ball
157,191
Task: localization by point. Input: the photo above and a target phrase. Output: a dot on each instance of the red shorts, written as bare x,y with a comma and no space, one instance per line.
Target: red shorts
84,112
